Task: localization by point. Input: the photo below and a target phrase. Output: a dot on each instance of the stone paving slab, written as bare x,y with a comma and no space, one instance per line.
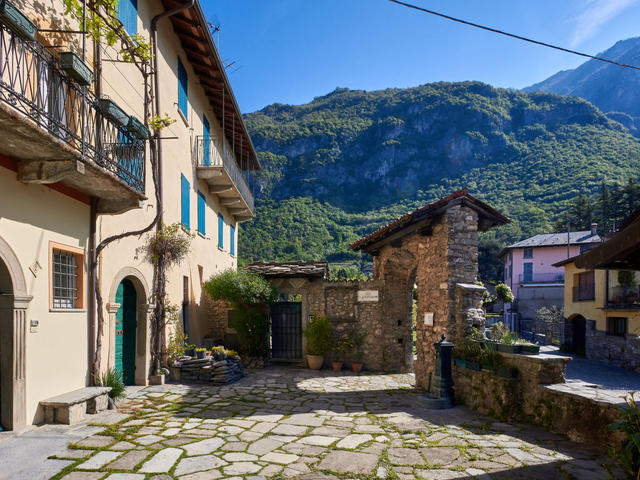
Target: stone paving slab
317,426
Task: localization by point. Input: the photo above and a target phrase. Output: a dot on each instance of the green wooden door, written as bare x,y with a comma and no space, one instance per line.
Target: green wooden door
125,356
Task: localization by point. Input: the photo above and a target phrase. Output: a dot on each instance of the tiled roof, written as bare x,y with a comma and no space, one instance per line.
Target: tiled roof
489,213
290,269
558,239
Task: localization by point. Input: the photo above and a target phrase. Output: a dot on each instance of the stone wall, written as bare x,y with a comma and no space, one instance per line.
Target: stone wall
539,395
618,351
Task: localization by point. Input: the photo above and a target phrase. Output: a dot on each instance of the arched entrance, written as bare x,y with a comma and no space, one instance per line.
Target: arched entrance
578,335
125,334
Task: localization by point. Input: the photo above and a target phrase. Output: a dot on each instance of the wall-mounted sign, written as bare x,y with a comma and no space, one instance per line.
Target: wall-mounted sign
367,295
428,319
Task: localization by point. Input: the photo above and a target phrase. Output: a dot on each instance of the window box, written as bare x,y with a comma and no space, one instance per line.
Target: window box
529,349
76,68
504,348
473,365
17,21
459,362
137,128
113,112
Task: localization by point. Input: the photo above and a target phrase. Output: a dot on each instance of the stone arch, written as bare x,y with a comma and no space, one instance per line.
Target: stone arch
13,321
143,332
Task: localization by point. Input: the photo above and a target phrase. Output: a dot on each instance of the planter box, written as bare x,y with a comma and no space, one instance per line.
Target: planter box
201,354
529,349
501,347
473,366
459,362
76,68
174,374
17,21
136,127
113,112
156,379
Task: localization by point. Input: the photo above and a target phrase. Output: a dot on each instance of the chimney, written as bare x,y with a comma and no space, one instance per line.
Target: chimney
594,229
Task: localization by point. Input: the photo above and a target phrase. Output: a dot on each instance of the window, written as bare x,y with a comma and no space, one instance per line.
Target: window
183,90
184,202
616,326
527,272
220,231
66,277
128,15
584,287
201,212
232,240
528,253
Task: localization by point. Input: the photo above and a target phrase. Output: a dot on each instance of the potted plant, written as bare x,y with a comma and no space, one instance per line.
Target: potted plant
158,377
201,353
318,336
358,354
341,347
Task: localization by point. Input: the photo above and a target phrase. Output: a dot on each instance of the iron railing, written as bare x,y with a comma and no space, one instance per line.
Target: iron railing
542,278
32,82
209,153
620,298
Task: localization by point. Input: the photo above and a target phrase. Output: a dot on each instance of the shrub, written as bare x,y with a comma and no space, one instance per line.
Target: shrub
629,455
504,293
113,379
252,326
318,335
171,242
240,288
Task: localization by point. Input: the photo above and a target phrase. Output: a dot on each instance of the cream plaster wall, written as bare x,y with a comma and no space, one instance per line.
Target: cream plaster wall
56,351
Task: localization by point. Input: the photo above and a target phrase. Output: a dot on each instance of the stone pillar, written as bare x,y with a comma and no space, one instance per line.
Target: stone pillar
13,324
469,312
112,309
143,341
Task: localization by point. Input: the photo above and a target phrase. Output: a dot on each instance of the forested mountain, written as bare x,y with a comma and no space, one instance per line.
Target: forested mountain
345,163
614,90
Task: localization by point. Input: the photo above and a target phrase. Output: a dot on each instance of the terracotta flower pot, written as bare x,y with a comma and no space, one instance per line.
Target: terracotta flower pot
356,367
315,361
337,366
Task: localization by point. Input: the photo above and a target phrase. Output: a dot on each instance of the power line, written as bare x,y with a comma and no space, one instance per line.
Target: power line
512,35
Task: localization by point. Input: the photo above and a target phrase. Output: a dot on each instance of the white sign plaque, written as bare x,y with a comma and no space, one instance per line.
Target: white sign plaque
367,295
428,319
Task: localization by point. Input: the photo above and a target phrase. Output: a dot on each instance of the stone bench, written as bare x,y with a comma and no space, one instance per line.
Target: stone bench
71,407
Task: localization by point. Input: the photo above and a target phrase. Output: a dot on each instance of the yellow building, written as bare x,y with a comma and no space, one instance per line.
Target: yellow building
75,169
602,299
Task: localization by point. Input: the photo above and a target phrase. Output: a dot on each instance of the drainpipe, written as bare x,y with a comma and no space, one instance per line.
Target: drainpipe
156,85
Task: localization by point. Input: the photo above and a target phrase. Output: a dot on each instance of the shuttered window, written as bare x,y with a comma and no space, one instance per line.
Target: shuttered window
183,90
220,231
201,210
128,15
184,202
232,240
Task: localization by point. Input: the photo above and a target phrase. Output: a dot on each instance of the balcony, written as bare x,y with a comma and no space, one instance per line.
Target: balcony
541,278
620,298
55,130
217,166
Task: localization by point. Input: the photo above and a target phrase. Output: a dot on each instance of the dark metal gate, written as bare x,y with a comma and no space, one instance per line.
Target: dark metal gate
286,331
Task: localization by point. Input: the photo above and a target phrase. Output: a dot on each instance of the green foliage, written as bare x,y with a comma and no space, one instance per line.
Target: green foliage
629,455
157,122
113,379
504,293
171,242
251,323
318,335
240,288
627,279
177,345
348,272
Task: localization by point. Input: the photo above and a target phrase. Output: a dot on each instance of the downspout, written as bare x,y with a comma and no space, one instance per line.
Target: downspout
156,85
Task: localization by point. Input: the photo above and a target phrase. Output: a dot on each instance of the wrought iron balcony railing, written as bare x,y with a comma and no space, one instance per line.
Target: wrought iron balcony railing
210,153
542,278
32,82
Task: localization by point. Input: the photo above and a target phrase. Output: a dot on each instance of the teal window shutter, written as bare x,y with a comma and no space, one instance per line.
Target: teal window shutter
206,141
201,210
232,240
183,90
128,15
184,190
220,231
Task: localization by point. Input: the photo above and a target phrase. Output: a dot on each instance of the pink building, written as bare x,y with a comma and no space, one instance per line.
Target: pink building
529,271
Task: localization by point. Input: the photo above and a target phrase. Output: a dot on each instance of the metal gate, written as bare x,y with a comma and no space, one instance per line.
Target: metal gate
286,331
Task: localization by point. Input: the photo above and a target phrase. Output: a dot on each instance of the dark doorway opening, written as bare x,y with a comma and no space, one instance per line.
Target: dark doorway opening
578,335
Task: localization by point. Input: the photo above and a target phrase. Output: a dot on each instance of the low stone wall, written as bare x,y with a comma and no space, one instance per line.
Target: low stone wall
621,352
210,370
539,395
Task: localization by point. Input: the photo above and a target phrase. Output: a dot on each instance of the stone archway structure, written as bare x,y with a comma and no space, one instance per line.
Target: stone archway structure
143,335
13,324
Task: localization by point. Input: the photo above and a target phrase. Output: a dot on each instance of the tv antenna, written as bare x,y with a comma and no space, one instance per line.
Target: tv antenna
214,27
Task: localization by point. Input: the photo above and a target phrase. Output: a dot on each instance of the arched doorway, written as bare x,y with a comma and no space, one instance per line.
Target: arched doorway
125,335
578,335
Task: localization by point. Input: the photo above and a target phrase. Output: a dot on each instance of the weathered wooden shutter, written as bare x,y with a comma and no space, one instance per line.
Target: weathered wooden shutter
201,210
184,196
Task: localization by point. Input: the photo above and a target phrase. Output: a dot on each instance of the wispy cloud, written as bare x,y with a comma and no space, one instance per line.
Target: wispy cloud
595,14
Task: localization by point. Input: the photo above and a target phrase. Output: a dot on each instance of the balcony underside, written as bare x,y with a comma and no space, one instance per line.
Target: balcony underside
45,159
221,185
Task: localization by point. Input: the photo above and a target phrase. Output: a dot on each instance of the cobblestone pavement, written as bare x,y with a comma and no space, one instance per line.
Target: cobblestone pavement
316,426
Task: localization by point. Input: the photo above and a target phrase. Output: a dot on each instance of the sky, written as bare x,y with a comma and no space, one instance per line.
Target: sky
290,51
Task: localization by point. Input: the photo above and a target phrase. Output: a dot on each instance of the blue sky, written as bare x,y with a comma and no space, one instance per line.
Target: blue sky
290,51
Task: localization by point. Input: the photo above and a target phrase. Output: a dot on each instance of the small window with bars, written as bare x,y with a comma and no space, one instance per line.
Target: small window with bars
65,280
617,326
528,253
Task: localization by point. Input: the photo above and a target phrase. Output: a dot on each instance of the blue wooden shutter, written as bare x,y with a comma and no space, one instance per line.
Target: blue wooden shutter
128,15
220,231
183,91
201,210
232,240
185,201
206,141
